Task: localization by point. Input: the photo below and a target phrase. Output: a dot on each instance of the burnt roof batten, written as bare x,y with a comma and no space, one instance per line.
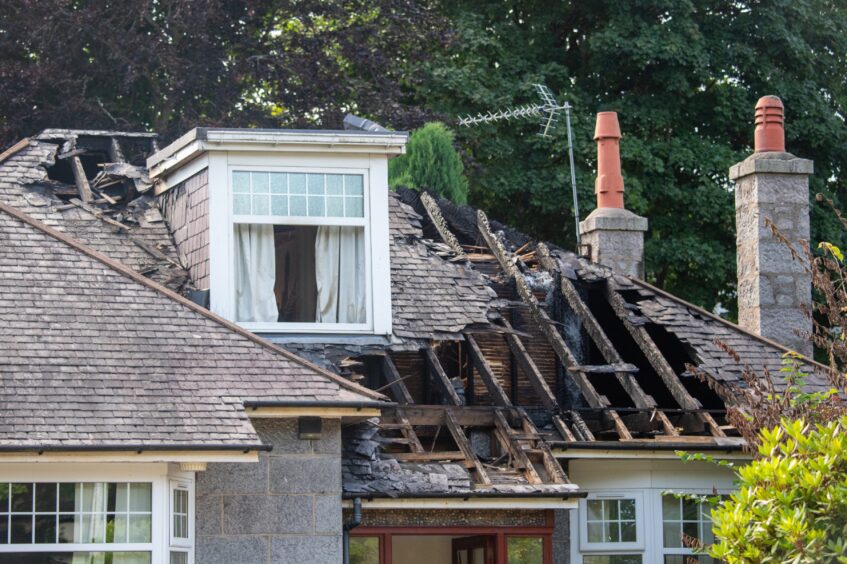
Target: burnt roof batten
654,356
566,357
437,374
434,213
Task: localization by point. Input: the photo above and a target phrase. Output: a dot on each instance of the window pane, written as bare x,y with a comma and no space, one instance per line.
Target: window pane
316,184
611,510
595,532
279,205
612,559
595,509
261,205
241,204
4,529
673,535
316,206
670,508
180,517
627,509
525,550
241,182
21,497
261,183
334,207
67,528
297,183
141,497
690,509
353,185
279,183
179,557
45,528
45,497
140,528
116,529
297,206
334,184
613,533
22,529
355,207
364,550
628,531
4,497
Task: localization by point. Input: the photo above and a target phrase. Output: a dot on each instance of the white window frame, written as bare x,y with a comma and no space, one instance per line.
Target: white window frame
612,547
158,475
661,549
374,167
364,222
178,544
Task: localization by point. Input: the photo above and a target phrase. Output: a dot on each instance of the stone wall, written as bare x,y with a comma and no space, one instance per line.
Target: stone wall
562,536
773,288
614,237
284,509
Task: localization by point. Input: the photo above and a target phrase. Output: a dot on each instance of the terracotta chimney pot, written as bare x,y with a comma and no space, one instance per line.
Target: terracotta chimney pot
609,185
770,125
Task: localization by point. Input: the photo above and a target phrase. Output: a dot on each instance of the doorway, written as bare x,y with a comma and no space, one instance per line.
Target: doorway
478,549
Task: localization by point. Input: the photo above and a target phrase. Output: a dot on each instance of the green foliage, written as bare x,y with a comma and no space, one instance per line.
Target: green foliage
683,75
432,163
792,501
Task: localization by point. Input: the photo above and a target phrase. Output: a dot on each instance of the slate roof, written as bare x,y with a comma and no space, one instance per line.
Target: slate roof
95,355
431,298
24,184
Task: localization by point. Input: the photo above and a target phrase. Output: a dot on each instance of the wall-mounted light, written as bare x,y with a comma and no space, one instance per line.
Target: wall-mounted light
309,428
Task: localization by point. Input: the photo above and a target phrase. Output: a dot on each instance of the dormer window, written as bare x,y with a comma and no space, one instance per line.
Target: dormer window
301,246
288,230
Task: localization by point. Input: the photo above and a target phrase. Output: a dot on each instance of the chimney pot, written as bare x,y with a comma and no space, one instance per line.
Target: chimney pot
770,125
609,185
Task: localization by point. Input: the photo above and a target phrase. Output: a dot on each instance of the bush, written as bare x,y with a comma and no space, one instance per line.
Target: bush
792,501
431,163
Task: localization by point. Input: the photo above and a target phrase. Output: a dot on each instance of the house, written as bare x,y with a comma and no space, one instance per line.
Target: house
242,347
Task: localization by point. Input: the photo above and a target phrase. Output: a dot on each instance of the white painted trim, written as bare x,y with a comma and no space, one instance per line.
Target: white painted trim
640,533
49,458
469,503
220,239
273,140
180,175
590,453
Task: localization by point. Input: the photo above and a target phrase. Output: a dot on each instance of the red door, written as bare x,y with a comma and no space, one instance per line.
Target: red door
474,550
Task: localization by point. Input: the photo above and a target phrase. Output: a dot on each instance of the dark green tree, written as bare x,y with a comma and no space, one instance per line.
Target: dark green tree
431,163
684,76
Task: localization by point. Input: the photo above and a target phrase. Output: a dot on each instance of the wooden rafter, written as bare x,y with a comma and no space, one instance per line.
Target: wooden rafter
434,213
115,153
461,441
654,356
495,390
563,352
505,434
80,179
395,382
604,344
439,377
551,465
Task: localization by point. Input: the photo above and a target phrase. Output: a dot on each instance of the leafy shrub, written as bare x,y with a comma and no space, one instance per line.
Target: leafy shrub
791,505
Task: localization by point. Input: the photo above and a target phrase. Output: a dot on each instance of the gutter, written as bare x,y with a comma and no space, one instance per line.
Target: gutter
359,405
138,448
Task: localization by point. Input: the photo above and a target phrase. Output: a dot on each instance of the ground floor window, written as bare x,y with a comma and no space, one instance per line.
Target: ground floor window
639,526
468,545
83,520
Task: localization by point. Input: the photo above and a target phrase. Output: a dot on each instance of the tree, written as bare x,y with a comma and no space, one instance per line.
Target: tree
431,162
169,66
684,76
791,505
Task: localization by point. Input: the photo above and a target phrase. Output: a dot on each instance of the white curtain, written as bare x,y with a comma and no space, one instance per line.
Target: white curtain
91,500
340,275
255,273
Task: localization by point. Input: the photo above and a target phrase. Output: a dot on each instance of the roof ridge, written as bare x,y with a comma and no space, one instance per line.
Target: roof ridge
153,285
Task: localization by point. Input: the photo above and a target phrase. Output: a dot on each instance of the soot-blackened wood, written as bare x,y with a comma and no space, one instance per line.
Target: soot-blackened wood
396,385
554,469
511,444
434,213
439,377
495,390
657,360
530,370
461,441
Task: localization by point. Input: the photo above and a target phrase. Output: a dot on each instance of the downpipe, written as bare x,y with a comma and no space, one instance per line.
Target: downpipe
354,522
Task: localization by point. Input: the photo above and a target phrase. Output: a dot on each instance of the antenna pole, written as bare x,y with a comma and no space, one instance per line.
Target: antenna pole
573,172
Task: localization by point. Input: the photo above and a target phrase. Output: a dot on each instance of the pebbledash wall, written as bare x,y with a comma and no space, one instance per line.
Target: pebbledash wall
285,508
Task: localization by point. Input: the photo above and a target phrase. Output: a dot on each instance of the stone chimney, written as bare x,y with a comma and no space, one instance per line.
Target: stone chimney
614,235
771,184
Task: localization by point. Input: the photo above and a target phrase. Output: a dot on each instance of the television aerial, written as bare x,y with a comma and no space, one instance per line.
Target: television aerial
548,113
